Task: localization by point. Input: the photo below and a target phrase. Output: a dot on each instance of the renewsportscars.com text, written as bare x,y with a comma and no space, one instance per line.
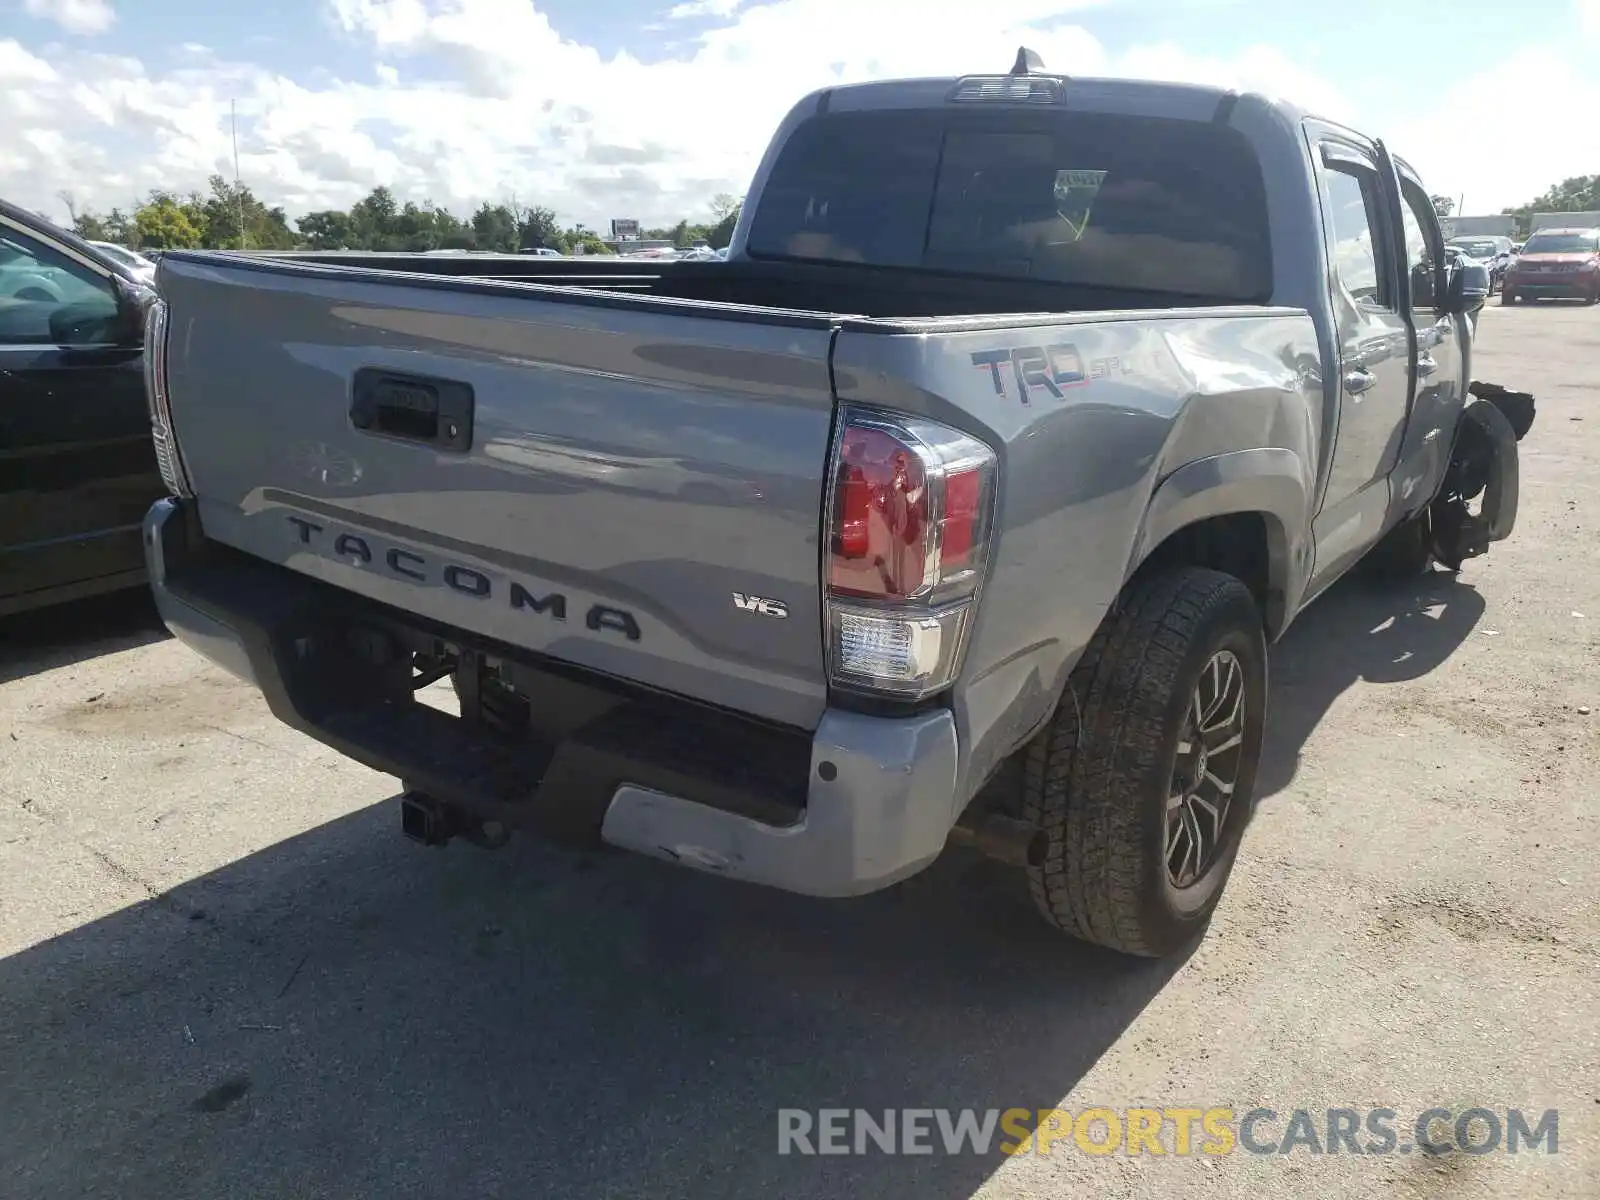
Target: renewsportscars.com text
1178,1132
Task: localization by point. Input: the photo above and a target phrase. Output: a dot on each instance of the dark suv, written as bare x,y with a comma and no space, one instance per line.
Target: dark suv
1496,253
1556,263
77,461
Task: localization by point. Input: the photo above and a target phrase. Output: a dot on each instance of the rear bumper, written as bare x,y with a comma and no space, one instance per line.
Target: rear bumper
858,805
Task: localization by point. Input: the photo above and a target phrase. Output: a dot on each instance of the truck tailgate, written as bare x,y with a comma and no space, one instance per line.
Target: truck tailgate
615,482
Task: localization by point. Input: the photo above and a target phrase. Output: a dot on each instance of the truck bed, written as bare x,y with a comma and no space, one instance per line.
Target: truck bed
771,284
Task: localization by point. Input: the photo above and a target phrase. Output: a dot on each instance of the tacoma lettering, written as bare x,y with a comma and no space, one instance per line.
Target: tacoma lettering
465,581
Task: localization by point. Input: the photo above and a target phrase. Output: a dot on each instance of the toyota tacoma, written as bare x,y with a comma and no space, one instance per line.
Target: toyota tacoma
961,503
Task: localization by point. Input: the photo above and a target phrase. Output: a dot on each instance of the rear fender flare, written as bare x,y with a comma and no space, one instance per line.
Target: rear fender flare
1504,486
1483,457
1269,480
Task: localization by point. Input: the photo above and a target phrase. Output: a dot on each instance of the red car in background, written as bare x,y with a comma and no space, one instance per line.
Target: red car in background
1555,263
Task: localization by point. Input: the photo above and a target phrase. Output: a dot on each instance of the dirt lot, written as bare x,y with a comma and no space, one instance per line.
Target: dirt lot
223,972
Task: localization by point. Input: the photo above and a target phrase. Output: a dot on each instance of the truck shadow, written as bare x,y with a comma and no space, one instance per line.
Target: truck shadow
65,634
343,1014
1359,631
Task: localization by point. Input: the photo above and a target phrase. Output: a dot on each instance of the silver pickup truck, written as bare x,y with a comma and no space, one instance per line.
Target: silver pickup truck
961,503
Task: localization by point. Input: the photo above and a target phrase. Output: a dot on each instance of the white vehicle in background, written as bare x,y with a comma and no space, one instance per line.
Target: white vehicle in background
142,266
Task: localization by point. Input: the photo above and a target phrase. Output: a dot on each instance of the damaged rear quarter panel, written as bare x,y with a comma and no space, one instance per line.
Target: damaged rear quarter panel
1092,418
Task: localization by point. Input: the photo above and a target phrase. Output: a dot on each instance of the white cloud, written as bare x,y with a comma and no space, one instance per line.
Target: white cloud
75,16
1505,136
466,100
703,8
1588,17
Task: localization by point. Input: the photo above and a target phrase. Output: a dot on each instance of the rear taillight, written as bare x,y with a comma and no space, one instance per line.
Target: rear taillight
910,512
155,390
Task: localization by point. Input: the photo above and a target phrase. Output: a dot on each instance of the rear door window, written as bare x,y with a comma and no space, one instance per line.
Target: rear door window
1148,204
1352,202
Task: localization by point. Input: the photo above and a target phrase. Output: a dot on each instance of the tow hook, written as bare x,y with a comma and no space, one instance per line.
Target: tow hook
434,822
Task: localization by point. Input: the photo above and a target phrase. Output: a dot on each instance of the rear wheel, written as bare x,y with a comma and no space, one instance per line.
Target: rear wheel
1143,781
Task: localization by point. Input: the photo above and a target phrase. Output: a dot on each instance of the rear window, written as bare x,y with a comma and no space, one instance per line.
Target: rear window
1151,204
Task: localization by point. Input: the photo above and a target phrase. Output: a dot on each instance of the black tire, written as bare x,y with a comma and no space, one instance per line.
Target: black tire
1405,552
1097,778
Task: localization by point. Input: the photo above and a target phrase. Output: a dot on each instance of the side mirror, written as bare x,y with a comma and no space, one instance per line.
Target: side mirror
133,304
1467,289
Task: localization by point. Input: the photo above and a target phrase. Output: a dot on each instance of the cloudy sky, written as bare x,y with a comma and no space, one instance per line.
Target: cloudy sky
647,108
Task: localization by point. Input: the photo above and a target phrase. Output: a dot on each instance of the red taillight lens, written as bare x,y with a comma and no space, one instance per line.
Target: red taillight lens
906,549
963,493
881,518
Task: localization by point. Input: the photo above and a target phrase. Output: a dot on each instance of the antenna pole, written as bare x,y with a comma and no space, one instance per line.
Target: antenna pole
238,192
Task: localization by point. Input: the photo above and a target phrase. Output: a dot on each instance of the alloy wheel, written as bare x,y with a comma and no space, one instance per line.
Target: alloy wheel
1206,771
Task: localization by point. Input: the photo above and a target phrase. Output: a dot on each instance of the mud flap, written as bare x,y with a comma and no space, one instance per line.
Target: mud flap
1483,462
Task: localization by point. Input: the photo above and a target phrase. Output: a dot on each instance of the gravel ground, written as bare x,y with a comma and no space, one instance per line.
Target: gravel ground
223,972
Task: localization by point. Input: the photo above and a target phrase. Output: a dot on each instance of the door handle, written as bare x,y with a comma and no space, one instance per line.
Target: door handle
1358,380
412,408
1426,364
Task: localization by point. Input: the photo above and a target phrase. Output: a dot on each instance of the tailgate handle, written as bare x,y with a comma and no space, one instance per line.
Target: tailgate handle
413,408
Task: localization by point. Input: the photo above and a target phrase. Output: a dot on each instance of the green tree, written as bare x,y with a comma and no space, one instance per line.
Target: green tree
588,239
230,215
372,220
119,228
1581,193
720,234
262,228
163,224
494,227
87,225
416,227
453,233
537,227
327,229
90,228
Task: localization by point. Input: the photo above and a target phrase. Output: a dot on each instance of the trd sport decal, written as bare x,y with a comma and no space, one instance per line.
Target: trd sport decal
1053,368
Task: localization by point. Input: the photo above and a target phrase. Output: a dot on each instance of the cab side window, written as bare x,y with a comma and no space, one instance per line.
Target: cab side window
48,298
1423,252
1352,203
